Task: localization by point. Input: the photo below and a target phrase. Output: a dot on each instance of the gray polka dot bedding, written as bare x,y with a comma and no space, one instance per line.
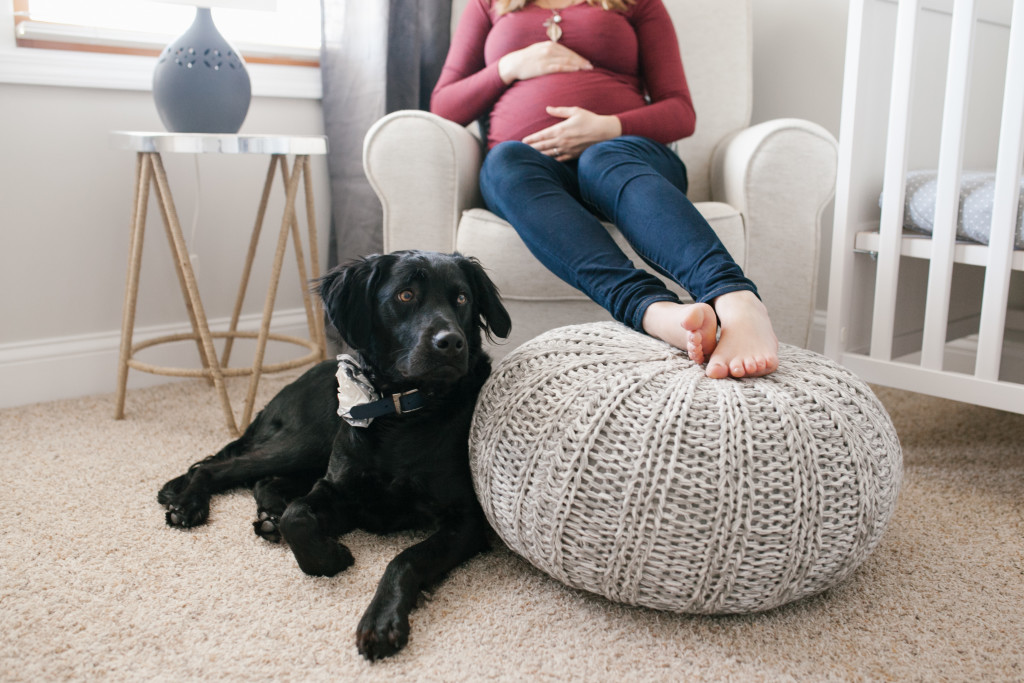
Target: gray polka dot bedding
974,222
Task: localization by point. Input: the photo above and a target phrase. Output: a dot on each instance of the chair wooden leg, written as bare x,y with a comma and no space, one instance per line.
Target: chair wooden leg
191,291
131,289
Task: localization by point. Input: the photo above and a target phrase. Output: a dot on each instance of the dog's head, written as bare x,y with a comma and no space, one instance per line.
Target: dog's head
414,315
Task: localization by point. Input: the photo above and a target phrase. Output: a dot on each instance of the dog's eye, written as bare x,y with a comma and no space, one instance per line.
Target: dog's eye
462,299
406,295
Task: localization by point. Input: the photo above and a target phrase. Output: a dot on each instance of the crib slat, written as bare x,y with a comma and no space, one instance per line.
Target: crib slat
995,296
947,190
893,189
847,208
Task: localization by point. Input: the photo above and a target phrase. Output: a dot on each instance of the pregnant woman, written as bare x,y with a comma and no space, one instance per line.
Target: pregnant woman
579,99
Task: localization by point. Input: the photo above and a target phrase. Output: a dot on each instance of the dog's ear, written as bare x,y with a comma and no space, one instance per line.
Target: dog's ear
494,319
349,296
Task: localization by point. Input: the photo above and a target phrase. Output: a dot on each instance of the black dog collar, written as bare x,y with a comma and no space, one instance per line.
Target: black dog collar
395,404
359,402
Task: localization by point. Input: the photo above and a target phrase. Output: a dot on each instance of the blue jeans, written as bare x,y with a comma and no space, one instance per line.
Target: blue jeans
640,186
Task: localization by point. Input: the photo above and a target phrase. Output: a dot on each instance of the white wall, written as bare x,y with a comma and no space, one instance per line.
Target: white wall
66,199
64,232
798,59
799,50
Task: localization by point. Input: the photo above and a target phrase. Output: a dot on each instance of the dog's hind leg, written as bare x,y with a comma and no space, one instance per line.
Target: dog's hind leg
191,506
187,498
175,487
241,463
291,435
272,497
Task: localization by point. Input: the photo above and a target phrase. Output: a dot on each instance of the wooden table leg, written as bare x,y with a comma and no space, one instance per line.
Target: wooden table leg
192,300
313,322
249,259
131,289
317,323
165,201
150,172
275,277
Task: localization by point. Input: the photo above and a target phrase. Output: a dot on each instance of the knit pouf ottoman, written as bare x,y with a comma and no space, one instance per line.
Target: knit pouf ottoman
609,461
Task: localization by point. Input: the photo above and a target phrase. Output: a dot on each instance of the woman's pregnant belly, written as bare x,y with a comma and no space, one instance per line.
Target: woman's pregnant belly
521,110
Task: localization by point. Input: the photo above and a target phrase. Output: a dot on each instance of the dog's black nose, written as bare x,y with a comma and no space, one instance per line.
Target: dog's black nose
449,342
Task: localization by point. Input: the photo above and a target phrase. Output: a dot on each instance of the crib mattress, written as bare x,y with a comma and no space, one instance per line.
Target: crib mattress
974,222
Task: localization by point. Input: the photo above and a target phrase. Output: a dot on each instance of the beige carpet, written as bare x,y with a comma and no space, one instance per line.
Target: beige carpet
94,586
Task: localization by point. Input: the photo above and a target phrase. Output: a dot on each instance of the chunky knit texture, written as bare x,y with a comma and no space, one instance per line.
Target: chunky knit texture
608,460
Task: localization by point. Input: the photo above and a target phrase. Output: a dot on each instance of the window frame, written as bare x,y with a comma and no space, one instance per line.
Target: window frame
70,64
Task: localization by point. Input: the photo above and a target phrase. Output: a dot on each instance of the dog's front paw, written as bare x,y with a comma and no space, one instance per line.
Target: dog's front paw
316,553
187,513
381,635
329,559
267,526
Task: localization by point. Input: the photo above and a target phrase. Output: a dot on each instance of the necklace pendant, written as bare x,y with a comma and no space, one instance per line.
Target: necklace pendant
554,31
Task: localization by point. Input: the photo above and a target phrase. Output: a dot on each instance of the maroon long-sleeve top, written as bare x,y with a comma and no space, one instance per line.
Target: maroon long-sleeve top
638,73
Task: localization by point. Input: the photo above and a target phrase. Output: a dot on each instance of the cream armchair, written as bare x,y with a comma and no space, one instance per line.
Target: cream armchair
761,187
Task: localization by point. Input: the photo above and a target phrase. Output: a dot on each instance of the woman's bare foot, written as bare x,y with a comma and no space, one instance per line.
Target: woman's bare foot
688,327
747,346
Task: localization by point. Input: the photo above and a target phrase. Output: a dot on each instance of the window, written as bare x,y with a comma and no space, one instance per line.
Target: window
289,35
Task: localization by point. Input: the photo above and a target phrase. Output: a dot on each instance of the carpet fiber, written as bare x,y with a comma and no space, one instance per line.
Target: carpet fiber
94,586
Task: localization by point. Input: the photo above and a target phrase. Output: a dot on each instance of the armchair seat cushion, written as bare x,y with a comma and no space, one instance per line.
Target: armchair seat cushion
521,277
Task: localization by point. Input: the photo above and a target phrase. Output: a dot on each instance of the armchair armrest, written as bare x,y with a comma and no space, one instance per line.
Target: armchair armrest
425,171
780,175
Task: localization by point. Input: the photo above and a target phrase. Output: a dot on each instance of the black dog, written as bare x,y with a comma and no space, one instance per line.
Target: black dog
415,319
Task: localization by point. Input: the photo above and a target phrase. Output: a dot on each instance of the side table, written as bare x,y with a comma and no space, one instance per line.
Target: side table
150,173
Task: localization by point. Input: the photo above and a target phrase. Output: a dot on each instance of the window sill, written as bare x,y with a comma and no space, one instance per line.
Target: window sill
33,66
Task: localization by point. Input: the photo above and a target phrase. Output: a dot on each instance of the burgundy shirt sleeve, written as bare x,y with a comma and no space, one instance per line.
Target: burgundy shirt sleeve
468,87
670,116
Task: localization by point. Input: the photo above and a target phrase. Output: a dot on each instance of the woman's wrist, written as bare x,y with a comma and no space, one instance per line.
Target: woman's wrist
507,68
612,126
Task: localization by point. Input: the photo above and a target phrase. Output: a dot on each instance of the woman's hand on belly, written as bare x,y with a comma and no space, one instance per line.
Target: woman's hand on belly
579,129
540,59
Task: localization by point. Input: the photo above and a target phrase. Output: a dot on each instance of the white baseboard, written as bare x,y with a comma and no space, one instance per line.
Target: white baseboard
67,367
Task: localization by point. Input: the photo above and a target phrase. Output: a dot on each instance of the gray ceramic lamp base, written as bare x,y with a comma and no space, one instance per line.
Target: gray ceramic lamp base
200,84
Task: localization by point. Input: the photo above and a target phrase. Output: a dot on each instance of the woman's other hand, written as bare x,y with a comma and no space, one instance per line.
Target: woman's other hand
540,59
580,129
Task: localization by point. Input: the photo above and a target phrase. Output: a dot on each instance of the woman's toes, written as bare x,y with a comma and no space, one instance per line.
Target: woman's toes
717,370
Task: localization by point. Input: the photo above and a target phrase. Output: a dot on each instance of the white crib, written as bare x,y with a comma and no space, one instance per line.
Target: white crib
930,84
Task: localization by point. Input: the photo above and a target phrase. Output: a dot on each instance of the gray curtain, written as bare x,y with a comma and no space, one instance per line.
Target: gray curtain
378,56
